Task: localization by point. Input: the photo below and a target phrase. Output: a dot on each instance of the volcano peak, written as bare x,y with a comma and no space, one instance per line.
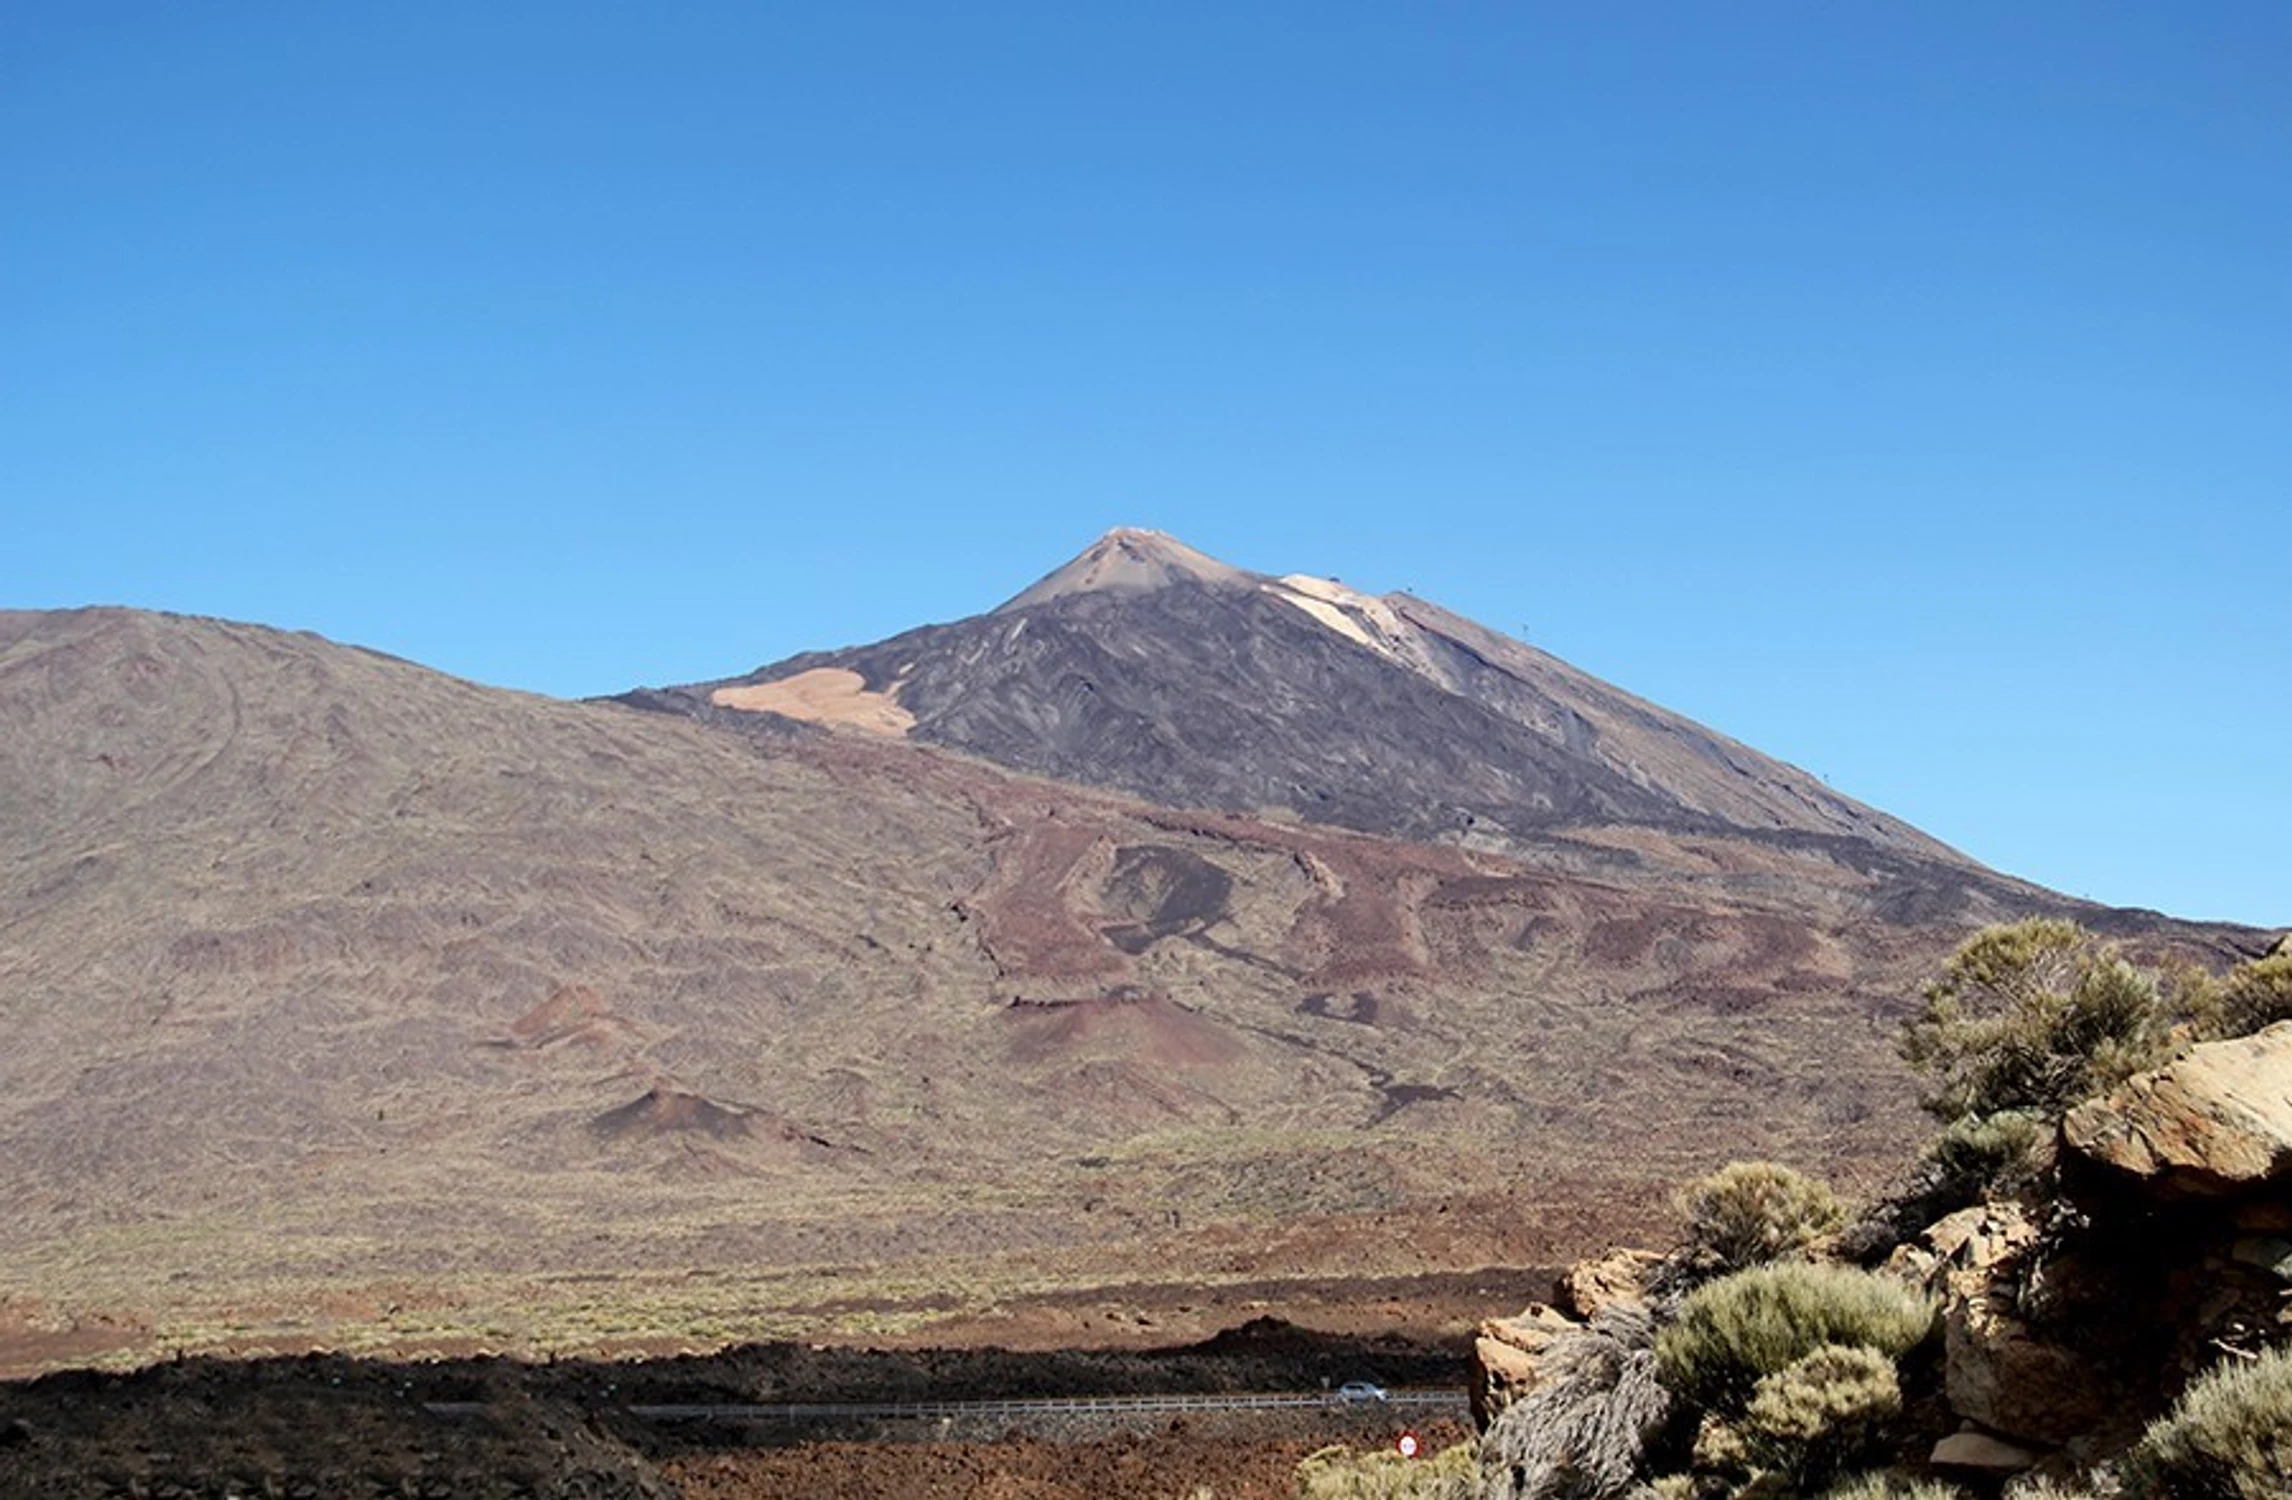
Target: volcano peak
1129,559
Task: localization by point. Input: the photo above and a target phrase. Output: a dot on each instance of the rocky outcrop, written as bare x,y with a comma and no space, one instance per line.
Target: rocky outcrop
2181,1248
1508,1353
1586,1428
1618,1276
1504,1357
2216,1121
2149,1243
1999,1370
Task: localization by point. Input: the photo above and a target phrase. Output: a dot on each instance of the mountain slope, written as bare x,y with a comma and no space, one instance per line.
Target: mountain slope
346,1002
1147,667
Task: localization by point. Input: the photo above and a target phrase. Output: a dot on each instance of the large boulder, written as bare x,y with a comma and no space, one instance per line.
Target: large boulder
2216,1121
1504,1358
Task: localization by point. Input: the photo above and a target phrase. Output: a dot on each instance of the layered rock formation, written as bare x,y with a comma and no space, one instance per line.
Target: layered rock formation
2216,1123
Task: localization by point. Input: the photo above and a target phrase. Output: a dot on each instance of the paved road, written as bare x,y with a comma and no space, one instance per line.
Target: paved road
824,1411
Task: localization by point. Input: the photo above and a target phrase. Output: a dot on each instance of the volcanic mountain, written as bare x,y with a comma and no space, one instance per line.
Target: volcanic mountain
1171,936
1146,667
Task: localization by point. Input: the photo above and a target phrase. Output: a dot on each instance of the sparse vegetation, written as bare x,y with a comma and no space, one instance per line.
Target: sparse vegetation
1784,1370
1750,1212
1987,1148
1818,1415
2031,1018
1732,1333
2229,1437
1802,1426
1891,1486
2252,996
1790,1367
2050,1489
1973,1157
1339,1473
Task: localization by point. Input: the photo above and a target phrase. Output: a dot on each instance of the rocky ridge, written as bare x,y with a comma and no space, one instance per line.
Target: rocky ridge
2066,1324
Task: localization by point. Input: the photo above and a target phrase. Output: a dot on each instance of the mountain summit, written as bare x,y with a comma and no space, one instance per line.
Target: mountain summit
1129,559
1147,667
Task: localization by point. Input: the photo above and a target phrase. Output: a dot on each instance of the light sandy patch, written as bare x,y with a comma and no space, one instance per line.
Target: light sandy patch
1329,615
1378,616
824,695
1360,617
1323,588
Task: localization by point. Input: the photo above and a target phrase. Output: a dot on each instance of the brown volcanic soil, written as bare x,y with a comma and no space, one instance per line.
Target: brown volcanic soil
352,1006
340,1427
1233,1458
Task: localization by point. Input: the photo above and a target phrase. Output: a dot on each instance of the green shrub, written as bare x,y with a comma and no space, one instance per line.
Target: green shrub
1751,1212
2033,1017
1974,1156
1803,1425
2253,995
1817,1415
1987,1147
2229,1437
1732,1333
1721,1448
1892,1486
1338,1473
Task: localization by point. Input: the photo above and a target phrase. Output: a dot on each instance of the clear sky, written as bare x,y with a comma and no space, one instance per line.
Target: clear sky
1904,389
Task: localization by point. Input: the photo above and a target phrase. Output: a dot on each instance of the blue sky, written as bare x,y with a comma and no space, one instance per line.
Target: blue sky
1904,389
